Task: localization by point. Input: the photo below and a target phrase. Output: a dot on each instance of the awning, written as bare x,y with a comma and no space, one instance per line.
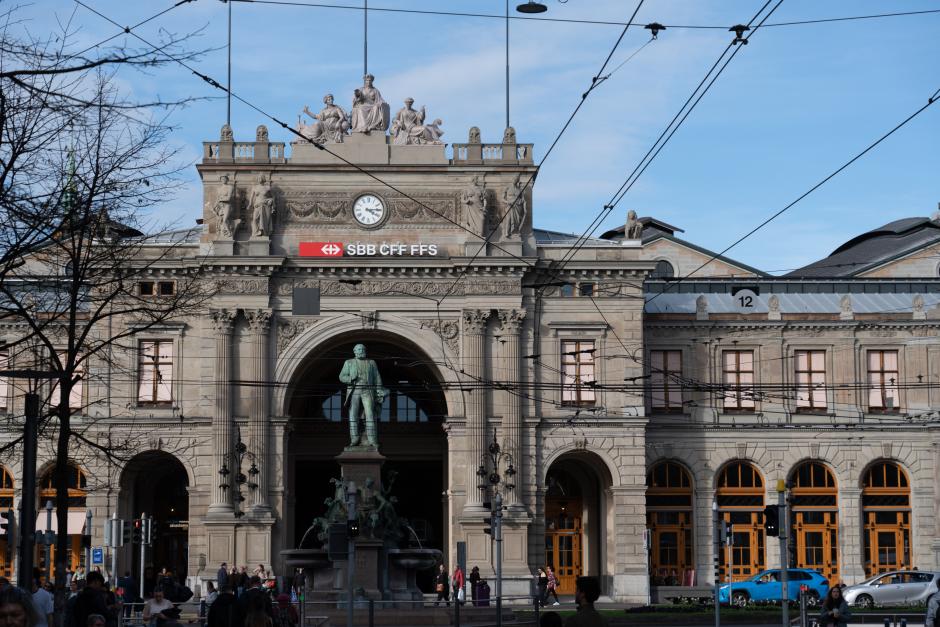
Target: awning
76,522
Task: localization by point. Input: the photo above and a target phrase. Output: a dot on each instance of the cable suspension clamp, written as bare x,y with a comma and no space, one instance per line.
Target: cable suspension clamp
654,28
739,30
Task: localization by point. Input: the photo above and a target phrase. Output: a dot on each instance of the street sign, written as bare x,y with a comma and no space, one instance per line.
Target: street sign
97,556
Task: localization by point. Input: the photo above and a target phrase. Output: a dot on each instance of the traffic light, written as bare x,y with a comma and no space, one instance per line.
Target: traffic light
125,530
352,527
772,520
147,531
488,525
137,534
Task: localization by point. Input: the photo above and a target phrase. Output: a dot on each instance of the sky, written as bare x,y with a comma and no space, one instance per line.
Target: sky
792,106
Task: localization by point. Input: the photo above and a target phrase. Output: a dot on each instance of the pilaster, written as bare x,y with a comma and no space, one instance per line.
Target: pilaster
474,354
223,321
259,322
511,324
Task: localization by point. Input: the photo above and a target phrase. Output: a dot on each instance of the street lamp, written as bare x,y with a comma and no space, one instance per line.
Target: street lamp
239,479
490,478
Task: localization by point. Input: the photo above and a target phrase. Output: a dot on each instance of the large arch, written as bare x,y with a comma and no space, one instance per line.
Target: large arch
886,517
739,493
77,501
814,518
156,483
410,430
578,518
669,518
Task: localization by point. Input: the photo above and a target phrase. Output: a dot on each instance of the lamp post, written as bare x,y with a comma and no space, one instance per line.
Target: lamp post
490,478
238,479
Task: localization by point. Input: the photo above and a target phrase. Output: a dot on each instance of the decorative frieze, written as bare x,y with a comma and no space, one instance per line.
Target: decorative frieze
318,209
447,330
466,287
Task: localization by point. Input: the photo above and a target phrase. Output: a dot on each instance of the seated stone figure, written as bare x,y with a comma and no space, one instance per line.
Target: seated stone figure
329,125
369,110
408,127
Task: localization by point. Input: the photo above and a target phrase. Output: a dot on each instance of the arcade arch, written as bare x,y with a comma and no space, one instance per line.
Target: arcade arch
77,500
886,513
814,517
740,497
669,520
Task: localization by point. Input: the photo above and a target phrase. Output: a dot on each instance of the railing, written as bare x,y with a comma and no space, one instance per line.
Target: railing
496,154
242,152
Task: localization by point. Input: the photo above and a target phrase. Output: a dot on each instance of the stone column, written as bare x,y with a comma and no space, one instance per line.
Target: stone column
510,321
259,322
223,322
474,351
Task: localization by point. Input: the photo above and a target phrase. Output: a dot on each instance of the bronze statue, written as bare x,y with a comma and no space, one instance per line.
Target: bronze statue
364,392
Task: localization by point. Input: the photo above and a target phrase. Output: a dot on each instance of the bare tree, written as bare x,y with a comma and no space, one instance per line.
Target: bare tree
79,168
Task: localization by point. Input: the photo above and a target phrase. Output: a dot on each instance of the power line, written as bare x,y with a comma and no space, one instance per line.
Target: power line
318,5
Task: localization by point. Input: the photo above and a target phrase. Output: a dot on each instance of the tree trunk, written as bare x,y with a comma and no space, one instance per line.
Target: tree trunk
61,482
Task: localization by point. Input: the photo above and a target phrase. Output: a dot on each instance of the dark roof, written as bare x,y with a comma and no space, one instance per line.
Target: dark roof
874,248
650,225
544,236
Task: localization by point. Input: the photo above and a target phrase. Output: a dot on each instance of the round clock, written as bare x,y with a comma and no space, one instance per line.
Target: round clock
368,210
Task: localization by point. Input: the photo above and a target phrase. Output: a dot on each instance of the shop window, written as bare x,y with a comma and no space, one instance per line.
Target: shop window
810,381
577,363
738,377
156,288
886,511
665,380
155,372
740,498
883,381
669,520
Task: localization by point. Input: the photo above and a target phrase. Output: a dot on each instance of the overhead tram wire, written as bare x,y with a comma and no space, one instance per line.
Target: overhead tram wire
596,80
930,101
666,134
319,5
214,83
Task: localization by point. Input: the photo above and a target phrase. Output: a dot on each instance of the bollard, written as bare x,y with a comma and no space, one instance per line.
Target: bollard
456,613
371,613
537,604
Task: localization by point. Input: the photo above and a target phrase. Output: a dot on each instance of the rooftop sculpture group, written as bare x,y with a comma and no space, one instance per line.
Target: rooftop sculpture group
369,113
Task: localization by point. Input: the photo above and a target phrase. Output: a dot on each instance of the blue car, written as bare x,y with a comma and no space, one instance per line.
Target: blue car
766,586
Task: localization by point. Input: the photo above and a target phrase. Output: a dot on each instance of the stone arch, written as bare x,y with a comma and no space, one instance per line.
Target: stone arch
594,456
291,359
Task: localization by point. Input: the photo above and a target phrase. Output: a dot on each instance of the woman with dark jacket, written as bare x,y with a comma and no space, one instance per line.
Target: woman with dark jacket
835,611
441,586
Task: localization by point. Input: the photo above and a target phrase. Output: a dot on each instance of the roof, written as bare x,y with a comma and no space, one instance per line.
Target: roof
650,225
543,236
178,236
874,248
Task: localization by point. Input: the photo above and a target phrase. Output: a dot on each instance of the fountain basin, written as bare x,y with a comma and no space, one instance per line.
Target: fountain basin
415,559
313,559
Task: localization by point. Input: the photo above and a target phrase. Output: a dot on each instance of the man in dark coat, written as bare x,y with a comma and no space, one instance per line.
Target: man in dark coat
91,600
255,599
225,611
221,577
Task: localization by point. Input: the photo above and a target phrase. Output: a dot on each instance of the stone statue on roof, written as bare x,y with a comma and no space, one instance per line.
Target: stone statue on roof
261,205
474,202
514,197
409,128
225,208
369,111
329,124
633,229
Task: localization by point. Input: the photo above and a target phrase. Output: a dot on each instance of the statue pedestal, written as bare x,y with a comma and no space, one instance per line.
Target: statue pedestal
223,248
257,247
631,243
357,147
359,464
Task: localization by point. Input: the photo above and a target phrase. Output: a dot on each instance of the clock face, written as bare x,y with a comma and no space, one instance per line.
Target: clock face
368,210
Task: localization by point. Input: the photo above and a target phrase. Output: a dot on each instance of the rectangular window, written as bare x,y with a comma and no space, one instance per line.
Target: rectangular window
577,364
883,381
76,396
155,372
4,383
586,289
810,380
156,288
738,370
665,374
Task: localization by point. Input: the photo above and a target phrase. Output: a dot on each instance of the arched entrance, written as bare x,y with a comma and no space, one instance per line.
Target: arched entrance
6,504
886,508
669,520
77,500
740,496
814,512
156,483
410,434
575,512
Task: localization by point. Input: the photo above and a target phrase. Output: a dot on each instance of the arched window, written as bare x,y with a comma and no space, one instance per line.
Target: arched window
663,270
740,497
78,487
886,510
669,519
814,511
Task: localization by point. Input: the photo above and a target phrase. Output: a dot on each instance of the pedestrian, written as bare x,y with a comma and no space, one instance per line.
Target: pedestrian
43,602
255,599
211,594
16,607
457,579
933,609
440,586
156,610
131,596
225,611
285,614
551,586
474,580
90,600
587,591
835,611
541,584
262,573
221,577
241,580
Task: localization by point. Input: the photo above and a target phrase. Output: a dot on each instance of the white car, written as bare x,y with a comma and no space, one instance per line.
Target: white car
900,587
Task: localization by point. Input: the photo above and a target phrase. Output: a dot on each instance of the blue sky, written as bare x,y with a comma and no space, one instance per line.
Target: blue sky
790,108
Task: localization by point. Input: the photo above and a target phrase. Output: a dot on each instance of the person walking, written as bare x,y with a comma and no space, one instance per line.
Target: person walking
551,585
440,586
541,584
44,605
221,577
90,600
835,611
225,611
587,591
474,580
458,582
933,610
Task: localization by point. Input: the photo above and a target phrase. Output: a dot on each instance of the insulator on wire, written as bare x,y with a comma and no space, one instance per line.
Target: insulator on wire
739,30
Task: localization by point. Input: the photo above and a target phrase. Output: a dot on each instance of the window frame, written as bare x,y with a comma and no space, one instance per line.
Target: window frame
737,396
579,386
156,286
869,388
156,366
811,408
666,374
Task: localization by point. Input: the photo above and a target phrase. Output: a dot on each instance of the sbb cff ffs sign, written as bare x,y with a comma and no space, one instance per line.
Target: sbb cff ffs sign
365,249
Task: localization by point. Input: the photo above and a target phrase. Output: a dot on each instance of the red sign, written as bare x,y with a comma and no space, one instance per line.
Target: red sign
321,249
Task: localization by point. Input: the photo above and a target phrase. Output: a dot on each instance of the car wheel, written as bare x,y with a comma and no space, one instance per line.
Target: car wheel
739,599
865,602
812,598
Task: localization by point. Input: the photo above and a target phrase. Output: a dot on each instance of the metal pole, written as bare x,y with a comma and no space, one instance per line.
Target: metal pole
88,533
498,539
716,542
28,498
783,526
507,72
116,540
351,514
365,38
48,541
143,549
228,83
